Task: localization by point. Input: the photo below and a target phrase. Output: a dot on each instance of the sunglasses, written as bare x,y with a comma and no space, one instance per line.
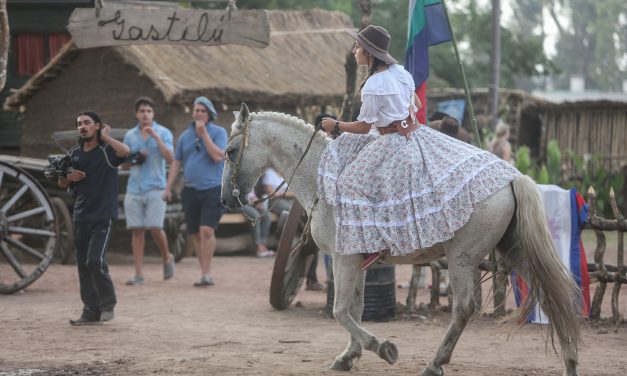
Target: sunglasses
197,144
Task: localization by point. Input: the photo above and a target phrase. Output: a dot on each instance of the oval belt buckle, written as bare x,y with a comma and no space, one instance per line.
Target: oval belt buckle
404,124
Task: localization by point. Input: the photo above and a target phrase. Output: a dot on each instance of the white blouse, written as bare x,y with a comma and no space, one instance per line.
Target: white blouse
386,97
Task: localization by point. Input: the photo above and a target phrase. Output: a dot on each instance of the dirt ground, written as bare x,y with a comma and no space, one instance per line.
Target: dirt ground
172,328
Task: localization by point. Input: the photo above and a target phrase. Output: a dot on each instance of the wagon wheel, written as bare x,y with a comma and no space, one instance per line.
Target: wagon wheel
175,230
28,229
289,270
65,249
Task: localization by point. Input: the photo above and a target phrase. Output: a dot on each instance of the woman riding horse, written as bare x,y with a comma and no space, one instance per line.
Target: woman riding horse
413,191
395,188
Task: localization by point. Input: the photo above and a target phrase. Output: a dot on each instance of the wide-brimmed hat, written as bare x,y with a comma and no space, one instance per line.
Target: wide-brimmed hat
376,40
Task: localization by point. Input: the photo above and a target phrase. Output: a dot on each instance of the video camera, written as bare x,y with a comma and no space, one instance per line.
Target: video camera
60,165
136,158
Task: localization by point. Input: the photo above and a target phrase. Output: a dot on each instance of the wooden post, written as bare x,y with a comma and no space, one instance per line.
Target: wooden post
5,39
620,267
416,270
435,287
597,300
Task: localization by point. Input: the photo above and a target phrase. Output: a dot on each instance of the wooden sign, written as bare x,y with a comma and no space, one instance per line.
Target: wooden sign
119,26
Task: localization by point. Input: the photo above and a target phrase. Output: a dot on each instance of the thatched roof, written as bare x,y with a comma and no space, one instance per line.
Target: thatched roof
303,65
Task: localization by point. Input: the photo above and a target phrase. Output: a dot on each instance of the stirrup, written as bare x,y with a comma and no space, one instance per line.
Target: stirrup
371,259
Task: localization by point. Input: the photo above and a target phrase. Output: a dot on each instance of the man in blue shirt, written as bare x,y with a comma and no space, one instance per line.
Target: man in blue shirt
200,152
94,183
151,148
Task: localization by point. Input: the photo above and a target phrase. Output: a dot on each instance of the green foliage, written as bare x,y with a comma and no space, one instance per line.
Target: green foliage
522,56
588,172
591,173
543,176
592,42
523,161
553,161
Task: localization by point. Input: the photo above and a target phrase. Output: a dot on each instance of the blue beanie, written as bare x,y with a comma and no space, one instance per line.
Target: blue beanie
208,105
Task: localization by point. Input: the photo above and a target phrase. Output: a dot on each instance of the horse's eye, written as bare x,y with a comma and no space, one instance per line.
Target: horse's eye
230,152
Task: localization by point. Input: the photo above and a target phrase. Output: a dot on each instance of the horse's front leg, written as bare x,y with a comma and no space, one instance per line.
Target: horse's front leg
344,361
349,282
461,274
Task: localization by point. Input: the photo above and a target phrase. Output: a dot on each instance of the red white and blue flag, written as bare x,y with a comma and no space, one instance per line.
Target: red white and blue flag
427,26
566,211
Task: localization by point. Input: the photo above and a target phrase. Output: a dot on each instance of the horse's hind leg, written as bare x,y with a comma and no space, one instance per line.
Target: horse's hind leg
349,281
461,273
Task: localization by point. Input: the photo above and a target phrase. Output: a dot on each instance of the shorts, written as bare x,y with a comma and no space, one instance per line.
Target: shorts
202,208
146,210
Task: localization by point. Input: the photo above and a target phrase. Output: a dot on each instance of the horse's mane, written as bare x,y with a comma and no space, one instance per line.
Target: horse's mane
286,118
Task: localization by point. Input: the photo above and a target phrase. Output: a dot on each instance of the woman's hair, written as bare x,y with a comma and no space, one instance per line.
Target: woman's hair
376,64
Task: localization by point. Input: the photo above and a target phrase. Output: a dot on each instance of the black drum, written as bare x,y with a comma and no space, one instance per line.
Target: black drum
379,293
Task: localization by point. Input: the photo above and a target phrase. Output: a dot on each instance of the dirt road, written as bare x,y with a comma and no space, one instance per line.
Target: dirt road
171,328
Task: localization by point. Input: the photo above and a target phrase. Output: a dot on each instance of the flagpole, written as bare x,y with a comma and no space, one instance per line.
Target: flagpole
471,110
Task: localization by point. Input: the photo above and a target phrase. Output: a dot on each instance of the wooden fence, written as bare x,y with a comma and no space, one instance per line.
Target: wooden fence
599,271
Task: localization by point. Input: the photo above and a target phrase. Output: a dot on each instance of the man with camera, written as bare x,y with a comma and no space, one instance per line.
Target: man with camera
94,183
151,148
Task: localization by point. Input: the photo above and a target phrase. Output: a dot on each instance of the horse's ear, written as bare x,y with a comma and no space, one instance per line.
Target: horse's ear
244,114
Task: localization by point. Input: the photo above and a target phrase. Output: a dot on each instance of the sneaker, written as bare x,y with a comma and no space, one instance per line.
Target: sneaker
204,282
314,286
106,315
137,280
266,253
168,268
84,321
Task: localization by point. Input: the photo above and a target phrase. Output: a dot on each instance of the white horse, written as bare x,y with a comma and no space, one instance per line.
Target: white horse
511,220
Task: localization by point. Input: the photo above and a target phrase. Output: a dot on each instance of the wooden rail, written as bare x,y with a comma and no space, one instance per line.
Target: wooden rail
603,273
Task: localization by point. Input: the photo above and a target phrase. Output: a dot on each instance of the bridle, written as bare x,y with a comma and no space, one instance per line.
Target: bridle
245,133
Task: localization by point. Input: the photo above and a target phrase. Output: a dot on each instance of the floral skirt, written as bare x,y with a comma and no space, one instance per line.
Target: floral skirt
389,192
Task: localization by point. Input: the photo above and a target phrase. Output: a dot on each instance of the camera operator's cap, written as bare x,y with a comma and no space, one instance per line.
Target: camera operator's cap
208,105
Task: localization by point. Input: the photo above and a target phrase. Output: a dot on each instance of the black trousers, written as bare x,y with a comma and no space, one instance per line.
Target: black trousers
97,291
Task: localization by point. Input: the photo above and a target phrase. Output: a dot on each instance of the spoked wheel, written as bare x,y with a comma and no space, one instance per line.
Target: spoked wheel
28,229
289,270
65,249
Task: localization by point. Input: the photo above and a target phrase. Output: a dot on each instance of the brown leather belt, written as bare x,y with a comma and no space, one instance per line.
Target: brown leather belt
391,128
397,126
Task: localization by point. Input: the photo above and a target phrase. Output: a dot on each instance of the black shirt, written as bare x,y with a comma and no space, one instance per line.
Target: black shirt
97,194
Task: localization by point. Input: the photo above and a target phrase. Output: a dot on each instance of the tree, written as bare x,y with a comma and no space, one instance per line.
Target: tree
521,56
592,41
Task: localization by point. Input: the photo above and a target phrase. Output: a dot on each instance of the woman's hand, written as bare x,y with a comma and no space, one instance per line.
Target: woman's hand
328,124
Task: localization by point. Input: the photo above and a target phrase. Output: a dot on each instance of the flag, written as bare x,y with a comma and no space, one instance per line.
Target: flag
566,211
427,26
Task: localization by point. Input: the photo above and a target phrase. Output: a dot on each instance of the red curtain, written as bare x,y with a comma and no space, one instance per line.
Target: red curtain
29,51
56,41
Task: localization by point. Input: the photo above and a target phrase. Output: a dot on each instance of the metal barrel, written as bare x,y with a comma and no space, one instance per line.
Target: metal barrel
379,293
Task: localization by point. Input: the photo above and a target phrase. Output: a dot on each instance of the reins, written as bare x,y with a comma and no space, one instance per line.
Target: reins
237,191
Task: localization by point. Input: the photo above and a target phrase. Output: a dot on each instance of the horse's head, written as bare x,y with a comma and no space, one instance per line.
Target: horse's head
244,161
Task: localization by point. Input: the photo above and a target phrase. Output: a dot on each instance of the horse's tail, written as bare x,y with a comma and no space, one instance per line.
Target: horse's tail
549,281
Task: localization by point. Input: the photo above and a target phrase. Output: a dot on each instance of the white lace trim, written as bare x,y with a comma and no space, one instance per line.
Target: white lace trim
417,216
407,197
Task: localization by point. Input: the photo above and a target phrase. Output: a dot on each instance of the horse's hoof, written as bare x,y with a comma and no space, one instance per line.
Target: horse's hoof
431,370
389,352
342,365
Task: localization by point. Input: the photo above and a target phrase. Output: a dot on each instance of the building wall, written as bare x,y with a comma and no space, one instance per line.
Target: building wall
96,80
25,16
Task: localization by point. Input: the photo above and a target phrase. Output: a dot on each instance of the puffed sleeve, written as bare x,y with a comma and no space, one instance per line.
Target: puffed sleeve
370,105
